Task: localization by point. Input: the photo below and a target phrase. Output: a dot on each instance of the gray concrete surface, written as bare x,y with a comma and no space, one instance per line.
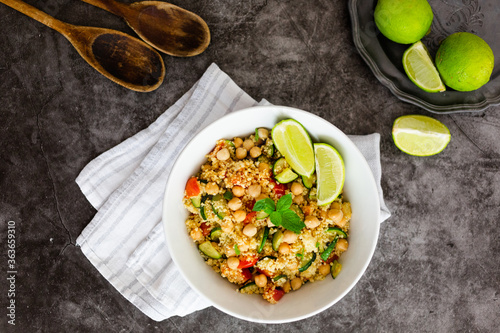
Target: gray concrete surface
436,267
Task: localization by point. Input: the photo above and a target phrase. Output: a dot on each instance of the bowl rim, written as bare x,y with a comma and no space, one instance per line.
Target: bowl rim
236,114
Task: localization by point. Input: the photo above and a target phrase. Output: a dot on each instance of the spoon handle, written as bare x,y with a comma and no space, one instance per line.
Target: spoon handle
38,15
111,6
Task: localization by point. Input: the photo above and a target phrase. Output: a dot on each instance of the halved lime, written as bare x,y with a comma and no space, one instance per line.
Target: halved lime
420,69
293,142
420,135
330,173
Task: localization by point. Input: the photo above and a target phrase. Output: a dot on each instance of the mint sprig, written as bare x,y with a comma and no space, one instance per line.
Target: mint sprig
280,213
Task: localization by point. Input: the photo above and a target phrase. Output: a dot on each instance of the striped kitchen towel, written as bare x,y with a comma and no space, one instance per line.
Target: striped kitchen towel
125,240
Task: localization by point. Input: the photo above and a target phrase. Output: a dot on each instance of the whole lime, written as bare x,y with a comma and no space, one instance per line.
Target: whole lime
465,61
403,21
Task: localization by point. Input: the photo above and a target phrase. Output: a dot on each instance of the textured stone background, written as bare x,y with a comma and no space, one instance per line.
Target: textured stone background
436,267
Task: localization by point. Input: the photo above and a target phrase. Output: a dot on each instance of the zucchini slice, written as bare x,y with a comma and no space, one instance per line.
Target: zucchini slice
215,233
279,166
196,201
286,176
309,181
329,249
307,261
248,285
277,239
296,209
261,215
209,250
339,232
218,206
265,234
203,207
335,269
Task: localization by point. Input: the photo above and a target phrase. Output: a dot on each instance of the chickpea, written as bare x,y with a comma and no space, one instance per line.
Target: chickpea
240,215
296,283
241,153
223,154
342,222
335,215
298,199
297,188
263,167
284,248
322,214
243,247
341,245
196,234
311,221
238,191
230,252
335,205
292,265
249,230
233,262
227,226
286,286
255,152
261,280
263,133
289,237
248,144
262,196
237,142
324,269
254,190
212,188
307,210
234,204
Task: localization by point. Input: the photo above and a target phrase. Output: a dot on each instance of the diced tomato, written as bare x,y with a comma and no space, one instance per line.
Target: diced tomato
263,271
249,217
331,259
247,261
192,187
279,189
205,228
246,274
277,294
249,205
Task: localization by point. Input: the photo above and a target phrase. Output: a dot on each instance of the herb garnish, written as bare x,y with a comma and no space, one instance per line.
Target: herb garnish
236,250
280,213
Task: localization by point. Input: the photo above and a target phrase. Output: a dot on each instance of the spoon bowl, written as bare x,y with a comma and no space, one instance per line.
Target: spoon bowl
169,28
121,58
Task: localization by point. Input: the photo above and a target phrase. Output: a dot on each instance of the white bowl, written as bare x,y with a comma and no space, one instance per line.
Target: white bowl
359,189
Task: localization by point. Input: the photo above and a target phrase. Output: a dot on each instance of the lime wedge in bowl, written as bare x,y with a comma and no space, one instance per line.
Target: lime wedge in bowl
420,69
294,143
330,172
420,135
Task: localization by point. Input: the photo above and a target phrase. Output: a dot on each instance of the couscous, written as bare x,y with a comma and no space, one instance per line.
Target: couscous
242,186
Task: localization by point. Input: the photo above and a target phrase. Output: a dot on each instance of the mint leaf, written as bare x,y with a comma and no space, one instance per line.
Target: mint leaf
236,250
284,203
291,221
266,205
276,218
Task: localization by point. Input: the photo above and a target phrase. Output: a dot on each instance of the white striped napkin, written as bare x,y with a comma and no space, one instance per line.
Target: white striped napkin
125,240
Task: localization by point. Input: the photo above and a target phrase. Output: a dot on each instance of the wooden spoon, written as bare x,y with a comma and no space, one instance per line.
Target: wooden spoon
168,28
119,57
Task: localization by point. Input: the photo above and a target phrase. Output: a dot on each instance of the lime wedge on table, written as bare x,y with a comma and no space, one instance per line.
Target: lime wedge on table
330,173
294,143
420,69
420,135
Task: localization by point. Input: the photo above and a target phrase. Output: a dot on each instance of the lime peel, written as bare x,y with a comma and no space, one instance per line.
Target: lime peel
420,135
419,67
294,143
330,172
